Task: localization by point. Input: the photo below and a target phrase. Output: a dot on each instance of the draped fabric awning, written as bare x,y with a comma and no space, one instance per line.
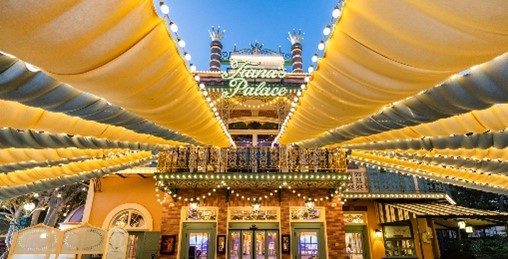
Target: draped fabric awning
113,80
122,53
381,53
456,176
401,211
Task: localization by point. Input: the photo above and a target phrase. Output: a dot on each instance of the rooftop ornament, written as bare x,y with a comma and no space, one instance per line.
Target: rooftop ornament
295,37
216,34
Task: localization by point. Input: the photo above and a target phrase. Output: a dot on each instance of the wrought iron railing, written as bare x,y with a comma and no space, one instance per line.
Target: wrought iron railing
251,159
374,180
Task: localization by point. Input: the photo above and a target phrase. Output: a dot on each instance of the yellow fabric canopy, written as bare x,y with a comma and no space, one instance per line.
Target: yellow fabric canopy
25,117
494,118
433,172
475,153
121,52
31,175
380,53
17,155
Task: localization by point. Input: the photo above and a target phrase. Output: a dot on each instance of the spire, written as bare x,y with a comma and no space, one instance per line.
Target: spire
216,35
216,48
295,37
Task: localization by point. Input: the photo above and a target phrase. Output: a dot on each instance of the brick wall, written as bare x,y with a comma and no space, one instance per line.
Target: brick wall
335,234
170,224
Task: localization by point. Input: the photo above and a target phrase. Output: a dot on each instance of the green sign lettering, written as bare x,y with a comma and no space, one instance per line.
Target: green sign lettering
248,70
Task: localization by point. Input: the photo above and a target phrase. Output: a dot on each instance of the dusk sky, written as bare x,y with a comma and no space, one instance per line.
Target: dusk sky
246,21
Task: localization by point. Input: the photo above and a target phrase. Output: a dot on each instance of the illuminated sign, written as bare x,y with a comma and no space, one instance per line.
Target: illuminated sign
243,70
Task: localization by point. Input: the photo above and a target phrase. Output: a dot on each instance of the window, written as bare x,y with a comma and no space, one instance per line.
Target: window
129,219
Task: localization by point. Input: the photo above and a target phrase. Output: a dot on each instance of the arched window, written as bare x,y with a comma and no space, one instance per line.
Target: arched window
129,216
129,219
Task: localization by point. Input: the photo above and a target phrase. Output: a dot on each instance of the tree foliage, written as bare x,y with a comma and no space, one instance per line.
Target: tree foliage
50,207
478,199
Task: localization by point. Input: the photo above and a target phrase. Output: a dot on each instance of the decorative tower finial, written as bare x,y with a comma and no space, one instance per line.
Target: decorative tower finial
216,35
295,37
296,50
216,48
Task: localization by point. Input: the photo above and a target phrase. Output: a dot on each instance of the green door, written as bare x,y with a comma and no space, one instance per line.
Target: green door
247,241
198,241
357,246
308,241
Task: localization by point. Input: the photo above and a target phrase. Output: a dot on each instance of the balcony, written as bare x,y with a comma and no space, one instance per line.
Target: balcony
252,160
378,181
253,167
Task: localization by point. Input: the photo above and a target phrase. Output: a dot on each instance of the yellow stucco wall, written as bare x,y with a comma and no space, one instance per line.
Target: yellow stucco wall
116,191
376,245
420,226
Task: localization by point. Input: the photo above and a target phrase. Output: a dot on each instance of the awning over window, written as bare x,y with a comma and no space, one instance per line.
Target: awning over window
400,211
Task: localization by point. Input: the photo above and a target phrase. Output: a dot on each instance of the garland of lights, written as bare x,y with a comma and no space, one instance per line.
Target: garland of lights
336,14
428,175
173,28
223,184
269,103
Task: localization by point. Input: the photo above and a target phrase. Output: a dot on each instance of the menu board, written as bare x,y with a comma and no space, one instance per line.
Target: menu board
397,232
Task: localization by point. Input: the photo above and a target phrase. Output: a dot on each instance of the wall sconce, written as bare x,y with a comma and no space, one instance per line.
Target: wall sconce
378,233
469,229
256,206
193,204
462,224
309,204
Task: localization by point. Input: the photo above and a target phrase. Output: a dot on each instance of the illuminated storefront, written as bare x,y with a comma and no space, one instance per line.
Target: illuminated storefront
255,157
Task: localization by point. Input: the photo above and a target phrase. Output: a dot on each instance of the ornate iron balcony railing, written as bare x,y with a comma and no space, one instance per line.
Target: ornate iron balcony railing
252,159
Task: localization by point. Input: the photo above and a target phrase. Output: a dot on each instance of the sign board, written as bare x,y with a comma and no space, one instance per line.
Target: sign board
242,71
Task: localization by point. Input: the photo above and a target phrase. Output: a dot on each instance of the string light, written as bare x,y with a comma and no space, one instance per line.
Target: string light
336,13
327,30
181,43
173,27
223,185
269,103
164,8
427,175
315,58
321,45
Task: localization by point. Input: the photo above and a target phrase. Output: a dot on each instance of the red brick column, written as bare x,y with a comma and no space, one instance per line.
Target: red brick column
335,230
170,225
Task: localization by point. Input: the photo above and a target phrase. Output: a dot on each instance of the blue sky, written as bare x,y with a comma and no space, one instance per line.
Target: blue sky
246,21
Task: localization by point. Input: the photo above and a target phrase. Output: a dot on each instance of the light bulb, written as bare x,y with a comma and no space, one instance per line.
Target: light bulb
336,13
173,27
315,58
187,56
311,69
321,45
327,30
164,9
192,68
181,43
197,78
